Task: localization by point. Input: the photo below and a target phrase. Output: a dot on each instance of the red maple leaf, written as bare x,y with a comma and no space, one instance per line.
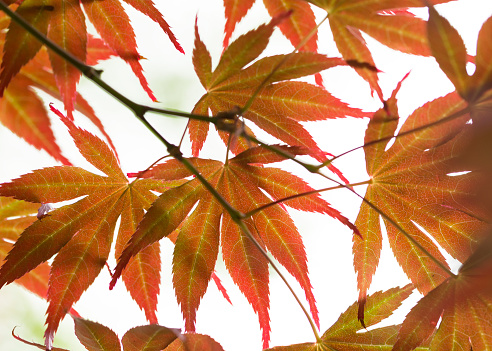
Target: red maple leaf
208,226
81,233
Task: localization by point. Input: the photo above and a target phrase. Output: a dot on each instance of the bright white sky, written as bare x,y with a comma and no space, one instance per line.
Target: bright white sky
328,244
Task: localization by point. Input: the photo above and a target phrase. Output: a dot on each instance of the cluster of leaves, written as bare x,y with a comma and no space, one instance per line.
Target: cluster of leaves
152,337
239,205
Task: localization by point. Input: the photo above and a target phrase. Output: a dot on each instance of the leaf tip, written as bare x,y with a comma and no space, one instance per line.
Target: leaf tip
281,17
360,311
57,112
221,287
113,281
356,230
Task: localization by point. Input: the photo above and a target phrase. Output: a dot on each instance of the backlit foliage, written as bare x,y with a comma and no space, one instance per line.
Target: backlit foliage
427,188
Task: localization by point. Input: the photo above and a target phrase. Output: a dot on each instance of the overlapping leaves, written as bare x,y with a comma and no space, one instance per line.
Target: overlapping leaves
240,182
81,233
411,186
425,209
387,21
460,306
450,53
279,107
300,25
23,112
63,21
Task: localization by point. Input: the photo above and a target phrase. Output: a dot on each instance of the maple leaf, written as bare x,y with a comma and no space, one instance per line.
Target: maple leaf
411,186
347,334
463,303
202,231
80,238
63,22
387,21
95,336
281,106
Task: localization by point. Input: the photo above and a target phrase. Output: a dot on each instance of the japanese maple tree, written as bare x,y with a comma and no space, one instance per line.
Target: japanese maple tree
427,185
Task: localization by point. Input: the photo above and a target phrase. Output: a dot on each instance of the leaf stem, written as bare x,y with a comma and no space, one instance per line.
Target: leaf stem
238,218
307,193
311,168
449,118
314,169
140,111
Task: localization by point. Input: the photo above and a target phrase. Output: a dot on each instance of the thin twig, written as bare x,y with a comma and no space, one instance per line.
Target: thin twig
93,74
314,169
307,193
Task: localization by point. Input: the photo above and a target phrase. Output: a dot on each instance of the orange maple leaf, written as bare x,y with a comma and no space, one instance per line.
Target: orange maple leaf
411,186
202,231
81,233
281,106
